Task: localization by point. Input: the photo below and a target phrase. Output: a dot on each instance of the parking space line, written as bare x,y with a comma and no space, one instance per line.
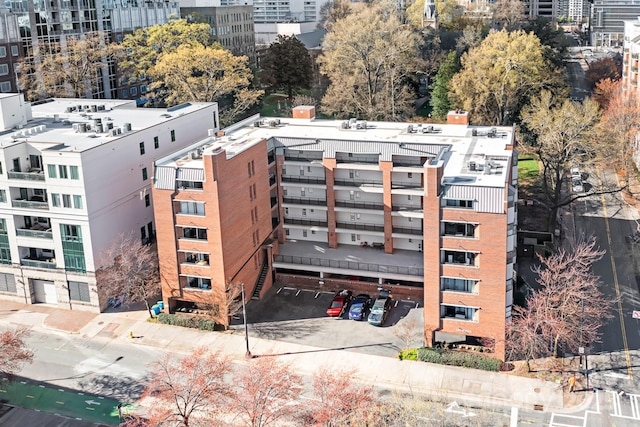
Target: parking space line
298,293
279,290
396,303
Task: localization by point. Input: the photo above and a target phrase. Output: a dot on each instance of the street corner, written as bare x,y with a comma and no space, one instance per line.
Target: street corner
70,321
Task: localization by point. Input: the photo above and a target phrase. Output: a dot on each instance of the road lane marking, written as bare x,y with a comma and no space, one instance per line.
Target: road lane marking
30,397
627,356
59,403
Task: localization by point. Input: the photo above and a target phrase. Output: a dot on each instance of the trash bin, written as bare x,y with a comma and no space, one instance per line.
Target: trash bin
155,309
160,304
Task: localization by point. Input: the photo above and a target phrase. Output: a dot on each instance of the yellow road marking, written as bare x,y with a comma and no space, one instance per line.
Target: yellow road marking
627,356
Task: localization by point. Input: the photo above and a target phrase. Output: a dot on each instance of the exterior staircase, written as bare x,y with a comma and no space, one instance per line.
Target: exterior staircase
260,282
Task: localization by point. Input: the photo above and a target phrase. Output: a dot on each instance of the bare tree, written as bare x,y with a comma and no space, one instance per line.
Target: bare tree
71,67
266,392
567,311
188,391
508,14
234,299
129,268
338,399
14,353
407,331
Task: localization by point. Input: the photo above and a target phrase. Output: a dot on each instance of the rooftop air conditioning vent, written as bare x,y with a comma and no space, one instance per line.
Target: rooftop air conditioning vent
427,129
362,124
126,127
114,132
493,132
344,125
410,129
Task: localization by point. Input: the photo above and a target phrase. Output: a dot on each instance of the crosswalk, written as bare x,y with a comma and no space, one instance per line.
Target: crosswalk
611,408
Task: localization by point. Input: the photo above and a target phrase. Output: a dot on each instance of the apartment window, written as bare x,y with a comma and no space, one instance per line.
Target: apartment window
55,200
5,87
52,171
458,312
156,142
4,69
8,283
192,208
302,192
249,170
286,231
147,200
124,93
353,237
77,201
79,291
3,196
304,233
255,212
457,284
73,170
133,91
14,51
199,258
173,136
255,193
458,229
459,257
144,174
142,148
453,203
189,185
66,200
194,233
304,212
203,283
409,174
250,193
143,89
62,170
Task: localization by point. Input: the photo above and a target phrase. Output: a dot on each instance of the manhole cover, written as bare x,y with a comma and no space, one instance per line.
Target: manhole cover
537,390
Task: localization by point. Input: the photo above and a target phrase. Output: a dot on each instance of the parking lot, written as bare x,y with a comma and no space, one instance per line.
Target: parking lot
299,315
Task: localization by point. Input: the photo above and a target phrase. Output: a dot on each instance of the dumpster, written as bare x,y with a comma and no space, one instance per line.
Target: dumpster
155,309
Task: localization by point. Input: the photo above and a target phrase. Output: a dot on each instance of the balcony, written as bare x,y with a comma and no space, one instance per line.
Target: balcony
46,263
358,183
304,201
310,222
304,179
415,208
408,230
360,226
40,234
302,157
357,158
406,184
359,205
272,180
36,202
274,201
34,175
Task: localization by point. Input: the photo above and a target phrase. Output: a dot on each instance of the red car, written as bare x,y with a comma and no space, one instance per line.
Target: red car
339,303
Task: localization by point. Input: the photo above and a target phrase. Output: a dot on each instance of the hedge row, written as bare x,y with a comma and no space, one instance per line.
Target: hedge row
189,322
458,358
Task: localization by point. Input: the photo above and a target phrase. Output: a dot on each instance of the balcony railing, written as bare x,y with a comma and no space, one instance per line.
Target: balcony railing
29,204
357,158
358,182
359,205
360,226
406,207
406,184
50,265
28,176
301,158
34,233
311,222
361,266
304,179
305,201
410,163
408,230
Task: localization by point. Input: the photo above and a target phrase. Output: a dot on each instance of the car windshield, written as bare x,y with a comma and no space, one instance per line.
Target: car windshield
336,304
377,309
356,308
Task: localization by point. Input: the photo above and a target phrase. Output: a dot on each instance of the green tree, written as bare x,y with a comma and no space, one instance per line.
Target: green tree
439,101
71,68
287,65
415,12
206,74
142,48
370,60
500,76
562,129
551,36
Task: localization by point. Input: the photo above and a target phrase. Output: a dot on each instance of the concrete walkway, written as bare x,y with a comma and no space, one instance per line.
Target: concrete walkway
443,382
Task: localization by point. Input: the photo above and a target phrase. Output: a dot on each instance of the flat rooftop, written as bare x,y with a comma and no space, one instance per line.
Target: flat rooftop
71,124
472,155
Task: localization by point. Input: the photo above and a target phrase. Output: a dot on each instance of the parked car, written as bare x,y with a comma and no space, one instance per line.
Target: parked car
359,307
339,303
576,185
380,309
575,173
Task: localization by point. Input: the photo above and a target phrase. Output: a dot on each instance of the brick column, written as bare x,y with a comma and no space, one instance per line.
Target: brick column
386,167
329,167
431,252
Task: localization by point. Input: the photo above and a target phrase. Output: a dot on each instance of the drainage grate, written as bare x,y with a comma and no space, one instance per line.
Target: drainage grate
538,407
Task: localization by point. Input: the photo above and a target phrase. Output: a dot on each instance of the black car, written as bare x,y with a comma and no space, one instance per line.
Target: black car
360,307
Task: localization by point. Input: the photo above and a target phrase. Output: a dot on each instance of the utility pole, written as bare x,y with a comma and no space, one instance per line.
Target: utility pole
248,354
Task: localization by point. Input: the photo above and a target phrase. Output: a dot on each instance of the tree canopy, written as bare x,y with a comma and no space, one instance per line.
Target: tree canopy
331,12
439,101
370,60
500,76
287,65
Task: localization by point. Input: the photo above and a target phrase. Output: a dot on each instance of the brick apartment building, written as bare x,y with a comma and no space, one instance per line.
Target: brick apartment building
425,211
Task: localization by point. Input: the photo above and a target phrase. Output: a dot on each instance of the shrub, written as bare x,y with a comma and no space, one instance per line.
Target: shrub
408,354
456,358
188,322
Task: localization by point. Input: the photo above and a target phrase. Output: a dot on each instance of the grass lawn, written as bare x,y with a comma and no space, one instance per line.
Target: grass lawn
270,106
528,168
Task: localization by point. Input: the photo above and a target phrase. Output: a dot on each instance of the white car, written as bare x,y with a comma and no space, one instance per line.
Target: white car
576,185
575,173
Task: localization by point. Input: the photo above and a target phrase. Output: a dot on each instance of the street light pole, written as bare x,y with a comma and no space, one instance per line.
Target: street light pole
248,354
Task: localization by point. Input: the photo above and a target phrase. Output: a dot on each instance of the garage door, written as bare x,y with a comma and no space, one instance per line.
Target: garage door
44,291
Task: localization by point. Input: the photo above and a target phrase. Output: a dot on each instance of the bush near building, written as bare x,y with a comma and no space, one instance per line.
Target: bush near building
457,358
189,322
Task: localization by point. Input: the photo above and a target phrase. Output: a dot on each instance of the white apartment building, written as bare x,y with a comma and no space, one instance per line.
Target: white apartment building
74,174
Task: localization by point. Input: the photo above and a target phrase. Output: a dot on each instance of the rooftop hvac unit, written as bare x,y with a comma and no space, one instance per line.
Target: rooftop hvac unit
474,132
492,133
410,129
101,107
196,154
126,127
97,121
94,108
82,127
110,125
427,129
99,128
344,125
70,109
352,121
75,127
114,132
361,124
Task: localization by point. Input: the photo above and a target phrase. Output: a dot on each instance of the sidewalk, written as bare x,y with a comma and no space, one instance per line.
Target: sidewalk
444,382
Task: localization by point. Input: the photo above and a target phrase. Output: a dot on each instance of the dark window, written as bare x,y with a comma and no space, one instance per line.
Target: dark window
144,174
156,142
147,200
173,136
142,148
